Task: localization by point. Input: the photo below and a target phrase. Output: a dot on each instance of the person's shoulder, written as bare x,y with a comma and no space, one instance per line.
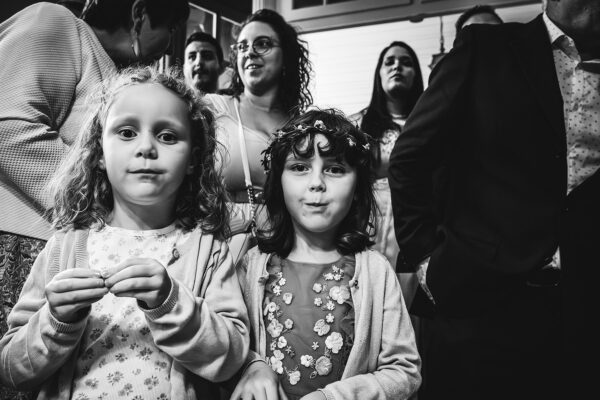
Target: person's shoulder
374,262
48,13
220,103
255,255
45,24
485,32
357,117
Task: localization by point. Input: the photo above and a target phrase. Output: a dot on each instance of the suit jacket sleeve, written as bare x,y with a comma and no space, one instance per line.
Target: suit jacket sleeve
418,154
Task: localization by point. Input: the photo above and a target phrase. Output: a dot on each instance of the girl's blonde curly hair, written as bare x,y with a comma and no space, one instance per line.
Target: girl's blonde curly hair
81,190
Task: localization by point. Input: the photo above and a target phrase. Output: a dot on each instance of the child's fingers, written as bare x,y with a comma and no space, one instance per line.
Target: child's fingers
133,268
71,312
246,394
70,284
75,296
78,273
135,283
282,395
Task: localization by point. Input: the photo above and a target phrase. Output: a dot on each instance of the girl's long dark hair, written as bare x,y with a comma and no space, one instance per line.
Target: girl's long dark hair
345,142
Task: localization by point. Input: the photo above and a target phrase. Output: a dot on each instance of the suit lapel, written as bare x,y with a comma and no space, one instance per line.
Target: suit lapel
534,54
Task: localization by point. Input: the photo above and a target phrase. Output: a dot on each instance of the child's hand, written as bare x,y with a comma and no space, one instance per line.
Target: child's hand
70,293
142,278
259,382
316,395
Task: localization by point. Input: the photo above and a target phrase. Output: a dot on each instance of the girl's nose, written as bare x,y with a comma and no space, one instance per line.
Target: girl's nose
146,147
316,184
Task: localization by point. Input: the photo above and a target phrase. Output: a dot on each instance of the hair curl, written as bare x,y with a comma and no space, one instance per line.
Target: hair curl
346,143
294,94
82,192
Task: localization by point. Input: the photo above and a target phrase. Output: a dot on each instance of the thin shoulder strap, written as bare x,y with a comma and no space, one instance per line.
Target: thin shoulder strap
246,167
242,141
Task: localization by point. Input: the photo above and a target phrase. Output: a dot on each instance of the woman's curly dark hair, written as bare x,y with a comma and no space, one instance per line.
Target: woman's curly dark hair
294,95
345,143
82,192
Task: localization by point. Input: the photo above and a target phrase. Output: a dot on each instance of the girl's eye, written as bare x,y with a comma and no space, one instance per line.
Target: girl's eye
126,133
336,170
167,137
298,168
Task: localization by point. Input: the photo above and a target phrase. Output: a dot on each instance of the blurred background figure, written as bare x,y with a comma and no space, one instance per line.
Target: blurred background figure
271,73
203,62
397,85
479,14
43,103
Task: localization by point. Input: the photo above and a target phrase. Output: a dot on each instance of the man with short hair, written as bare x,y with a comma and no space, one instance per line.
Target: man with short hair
496,196
203,62
479,14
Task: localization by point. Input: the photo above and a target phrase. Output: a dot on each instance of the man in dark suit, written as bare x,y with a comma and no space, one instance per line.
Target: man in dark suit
496,200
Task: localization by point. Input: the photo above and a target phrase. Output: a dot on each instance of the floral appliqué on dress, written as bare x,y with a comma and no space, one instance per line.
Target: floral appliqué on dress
330,291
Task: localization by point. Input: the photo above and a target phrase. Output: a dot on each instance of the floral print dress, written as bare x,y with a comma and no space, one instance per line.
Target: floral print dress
309,318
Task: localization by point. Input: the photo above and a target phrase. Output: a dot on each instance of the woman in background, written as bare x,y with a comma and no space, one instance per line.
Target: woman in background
271,72
397,85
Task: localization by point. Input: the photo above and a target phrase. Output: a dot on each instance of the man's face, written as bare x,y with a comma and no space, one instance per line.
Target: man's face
201,67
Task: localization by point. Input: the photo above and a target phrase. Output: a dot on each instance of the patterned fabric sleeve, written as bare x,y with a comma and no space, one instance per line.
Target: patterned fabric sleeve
36,95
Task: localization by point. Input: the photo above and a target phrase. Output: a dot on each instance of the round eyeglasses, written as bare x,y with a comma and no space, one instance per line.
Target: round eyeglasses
261,46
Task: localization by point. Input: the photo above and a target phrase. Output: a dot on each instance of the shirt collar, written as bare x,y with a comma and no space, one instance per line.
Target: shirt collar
560,40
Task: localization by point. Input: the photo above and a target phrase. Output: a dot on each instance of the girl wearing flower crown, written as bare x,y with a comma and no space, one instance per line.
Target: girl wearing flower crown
326,313
136,295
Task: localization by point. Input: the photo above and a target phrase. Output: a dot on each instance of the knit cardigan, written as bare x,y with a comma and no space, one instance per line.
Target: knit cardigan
384,362
51,62
201,325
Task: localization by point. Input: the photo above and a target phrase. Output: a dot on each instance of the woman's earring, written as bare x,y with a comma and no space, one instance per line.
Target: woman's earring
135,44
190,169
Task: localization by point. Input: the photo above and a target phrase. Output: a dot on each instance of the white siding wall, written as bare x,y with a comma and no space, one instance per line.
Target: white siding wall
344,60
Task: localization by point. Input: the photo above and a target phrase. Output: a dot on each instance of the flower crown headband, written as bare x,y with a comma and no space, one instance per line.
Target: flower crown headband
303,130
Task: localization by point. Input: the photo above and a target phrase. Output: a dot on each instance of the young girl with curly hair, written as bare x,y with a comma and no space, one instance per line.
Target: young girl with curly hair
135,294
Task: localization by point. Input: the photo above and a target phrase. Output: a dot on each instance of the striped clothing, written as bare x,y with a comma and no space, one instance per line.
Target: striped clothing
51,62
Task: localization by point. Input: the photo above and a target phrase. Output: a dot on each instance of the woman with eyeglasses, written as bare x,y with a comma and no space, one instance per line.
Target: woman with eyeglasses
271,73
397,85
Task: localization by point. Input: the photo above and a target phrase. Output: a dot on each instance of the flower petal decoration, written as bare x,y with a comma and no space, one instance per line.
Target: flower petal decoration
334,342
307,360
321,327
294,377
287,297
323,365
320,125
